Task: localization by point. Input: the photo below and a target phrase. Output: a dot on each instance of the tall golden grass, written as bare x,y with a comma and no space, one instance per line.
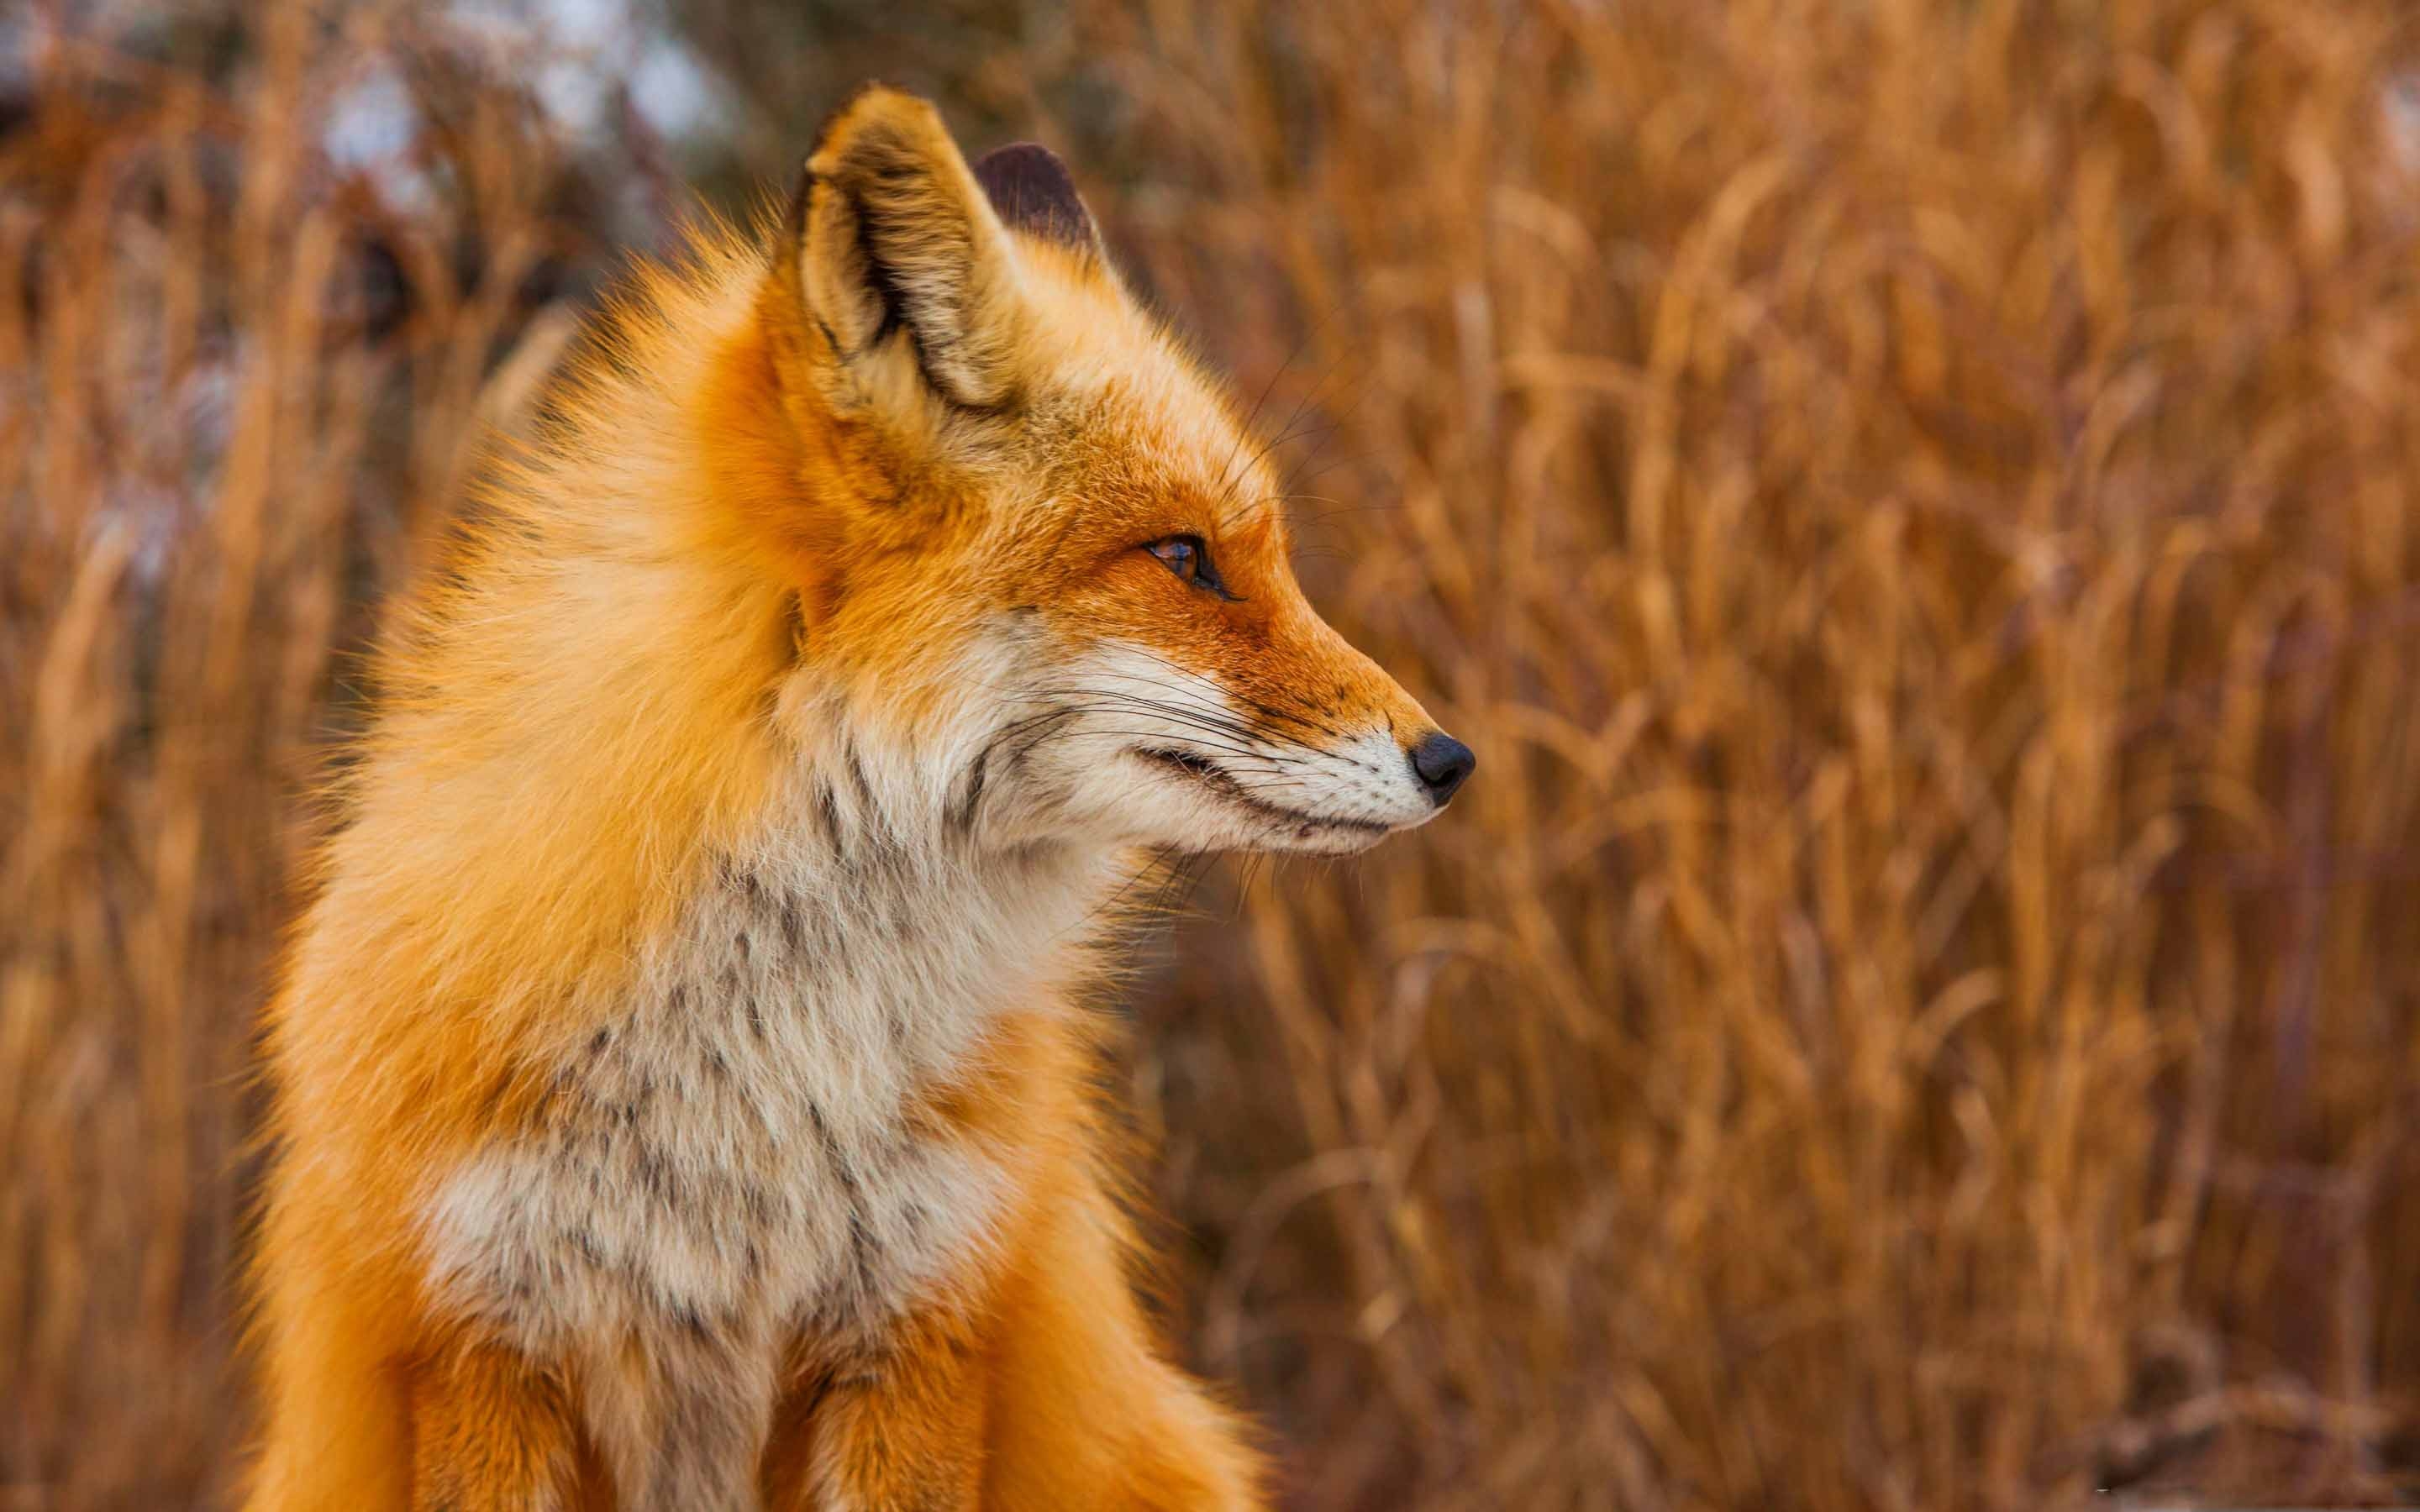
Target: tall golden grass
1917,503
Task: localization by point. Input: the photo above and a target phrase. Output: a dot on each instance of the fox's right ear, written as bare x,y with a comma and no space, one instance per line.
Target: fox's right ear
901,260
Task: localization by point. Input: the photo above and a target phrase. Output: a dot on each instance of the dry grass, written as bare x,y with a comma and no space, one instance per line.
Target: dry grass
1917,503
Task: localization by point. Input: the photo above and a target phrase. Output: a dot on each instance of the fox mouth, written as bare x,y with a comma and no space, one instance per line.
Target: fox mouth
1209,774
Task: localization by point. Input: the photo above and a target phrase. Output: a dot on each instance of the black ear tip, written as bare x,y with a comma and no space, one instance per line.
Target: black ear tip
1031,191
1026,159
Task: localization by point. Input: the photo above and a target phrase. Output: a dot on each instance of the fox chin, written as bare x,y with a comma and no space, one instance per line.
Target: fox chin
684,1086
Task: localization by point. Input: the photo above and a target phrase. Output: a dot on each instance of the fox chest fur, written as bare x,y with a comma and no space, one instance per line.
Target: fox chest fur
740,1154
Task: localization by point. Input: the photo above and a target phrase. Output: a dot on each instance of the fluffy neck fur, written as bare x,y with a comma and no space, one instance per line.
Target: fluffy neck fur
603,699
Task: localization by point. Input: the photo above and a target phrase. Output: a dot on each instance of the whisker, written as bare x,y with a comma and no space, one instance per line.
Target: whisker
1269,711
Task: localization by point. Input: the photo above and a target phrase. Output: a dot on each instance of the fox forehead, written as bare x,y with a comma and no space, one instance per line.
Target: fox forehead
1127,427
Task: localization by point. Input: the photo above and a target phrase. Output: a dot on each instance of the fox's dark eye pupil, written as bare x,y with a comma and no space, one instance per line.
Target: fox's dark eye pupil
1187,557
1183,555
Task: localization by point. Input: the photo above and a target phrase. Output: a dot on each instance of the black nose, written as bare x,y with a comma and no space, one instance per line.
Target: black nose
1441,763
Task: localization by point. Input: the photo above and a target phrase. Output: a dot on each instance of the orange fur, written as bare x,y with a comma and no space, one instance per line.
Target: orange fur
729,681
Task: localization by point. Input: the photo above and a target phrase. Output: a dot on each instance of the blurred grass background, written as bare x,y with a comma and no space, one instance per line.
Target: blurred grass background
1916,502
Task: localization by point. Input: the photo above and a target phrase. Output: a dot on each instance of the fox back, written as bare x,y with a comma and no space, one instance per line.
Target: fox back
682,1076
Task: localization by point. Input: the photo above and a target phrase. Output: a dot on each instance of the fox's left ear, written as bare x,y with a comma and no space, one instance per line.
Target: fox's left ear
900,255
1033,192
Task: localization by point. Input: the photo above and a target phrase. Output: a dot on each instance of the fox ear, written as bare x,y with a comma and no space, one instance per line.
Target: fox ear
897,238
1031,191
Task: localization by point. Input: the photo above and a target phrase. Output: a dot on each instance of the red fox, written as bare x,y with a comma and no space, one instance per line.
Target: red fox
682,1091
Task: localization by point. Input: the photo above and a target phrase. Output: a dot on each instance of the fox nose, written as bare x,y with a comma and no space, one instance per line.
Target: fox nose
1441,763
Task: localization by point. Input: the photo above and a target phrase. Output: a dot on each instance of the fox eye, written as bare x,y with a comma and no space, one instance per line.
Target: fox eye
1190,559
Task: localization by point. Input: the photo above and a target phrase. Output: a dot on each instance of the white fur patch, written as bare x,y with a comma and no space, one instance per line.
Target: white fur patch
729,1161
732,1159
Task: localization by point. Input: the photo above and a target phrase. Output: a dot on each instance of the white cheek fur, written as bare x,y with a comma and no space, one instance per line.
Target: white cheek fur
1271,792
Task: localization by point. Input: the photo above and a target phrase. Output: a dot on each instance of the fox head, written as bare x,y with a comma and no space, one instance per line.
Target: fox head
1029,541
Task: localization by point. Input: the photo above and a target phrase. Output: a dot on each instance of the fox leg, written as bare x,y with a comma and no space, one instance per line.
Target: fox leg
897,1431
1084,1409
334,1425
491,1433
